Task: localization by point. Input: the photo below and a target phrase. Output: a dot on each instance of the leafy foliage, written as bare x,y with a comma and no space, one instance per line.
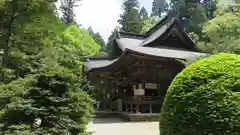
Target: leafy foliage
51,96
191,13
67,10
159,7
204,99
110,43
130,20
143,14
81,40
43,72
98,38
223,33
13,14
149,23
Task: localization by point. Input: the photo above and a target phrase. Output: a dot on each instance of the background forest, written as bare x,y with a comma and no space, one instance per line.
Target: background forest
43,50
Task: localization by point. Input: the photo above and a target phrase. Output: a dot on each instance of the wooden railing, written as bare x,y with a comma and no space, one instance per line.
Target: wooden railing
144,98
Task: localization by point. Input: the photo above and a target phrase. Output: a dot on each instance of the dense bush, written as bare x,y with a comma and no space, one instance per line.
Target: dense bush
204,99
51,96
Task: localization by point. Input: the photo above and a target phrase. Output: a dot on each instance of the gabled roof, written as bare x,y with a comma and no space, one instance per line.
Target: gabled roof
139,44
165,20
128,40
147,51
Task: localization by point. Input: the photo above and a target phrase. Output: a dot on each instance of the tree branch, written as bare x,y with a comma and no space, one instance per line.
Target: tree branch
6,47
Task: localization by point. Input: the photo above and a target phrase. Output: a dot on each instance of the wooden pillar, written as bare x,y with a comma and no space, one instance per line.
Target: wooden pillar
126,107
131,108
137,108
150,108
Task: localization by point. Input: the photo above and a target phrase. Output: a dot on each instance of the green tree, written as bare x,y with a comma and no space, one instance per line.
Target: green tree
67,9
90,30
143,14
97,37
14,13
159,7
51,96
192,14
99,40
210,7
149,23
130,20
110,43
223,33
42,74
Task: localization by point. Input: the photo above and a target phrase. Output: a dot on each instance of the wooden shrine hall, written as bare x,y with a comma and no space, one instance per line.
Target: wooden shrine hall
142,67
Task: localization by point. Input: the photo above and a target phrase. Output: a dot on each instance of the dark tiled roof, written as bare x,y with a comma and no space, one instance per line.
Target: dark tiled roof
159,52
157,33
131,35
97,64
137,44
96,58
124,43
168,53
165,20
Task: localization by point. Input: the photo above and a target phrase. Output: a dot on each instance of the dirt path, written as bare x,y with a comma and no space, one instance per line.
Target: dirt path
114,126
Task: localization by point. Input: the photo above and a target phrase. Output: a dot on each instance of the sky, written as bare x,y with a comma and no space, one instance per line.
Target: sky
102,15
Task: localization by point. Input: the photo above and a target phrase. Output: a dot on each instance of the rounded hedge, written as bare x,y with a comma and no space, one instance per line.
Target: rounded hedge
204,99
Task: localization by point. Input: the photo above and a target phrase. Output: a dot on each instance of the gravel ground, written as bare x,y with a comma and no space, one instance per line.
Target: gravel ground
114,126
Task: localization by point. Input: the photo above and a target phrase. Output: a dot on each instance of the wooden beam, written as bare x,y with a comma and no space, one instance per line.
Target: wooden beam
131,65
143,56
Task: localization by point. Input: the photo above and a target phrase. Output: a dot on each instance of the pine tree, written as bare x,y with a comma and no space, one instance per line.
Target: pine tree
67,9
191,14
143,14
90,31
210,7
158,7
110,43
130,20
97,37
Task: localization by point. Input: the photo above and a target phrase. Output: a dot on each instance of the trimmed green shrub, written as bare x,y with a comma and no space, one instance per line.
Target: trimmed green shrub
204,99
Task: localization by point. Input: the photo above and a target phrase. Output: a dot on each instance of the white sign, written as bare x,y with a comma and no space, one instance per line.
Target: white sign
139,92
151,86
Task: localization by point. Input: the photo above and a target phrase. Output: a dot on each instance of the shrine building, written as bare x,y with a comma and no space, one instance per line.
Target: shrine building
137,76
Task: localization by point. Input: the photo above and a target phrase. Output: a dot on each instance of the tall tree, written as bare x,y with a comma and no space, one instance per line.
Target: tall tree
67,9
90,31
158,7
110,43
149,23
143,14
223,33
130,20
15,13
210,7
192,14
42,57
97,37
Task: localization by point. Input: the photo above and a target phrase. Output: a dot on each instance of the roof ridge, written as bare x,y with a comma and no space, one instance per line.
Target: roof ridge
131,33
169,24
163,21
